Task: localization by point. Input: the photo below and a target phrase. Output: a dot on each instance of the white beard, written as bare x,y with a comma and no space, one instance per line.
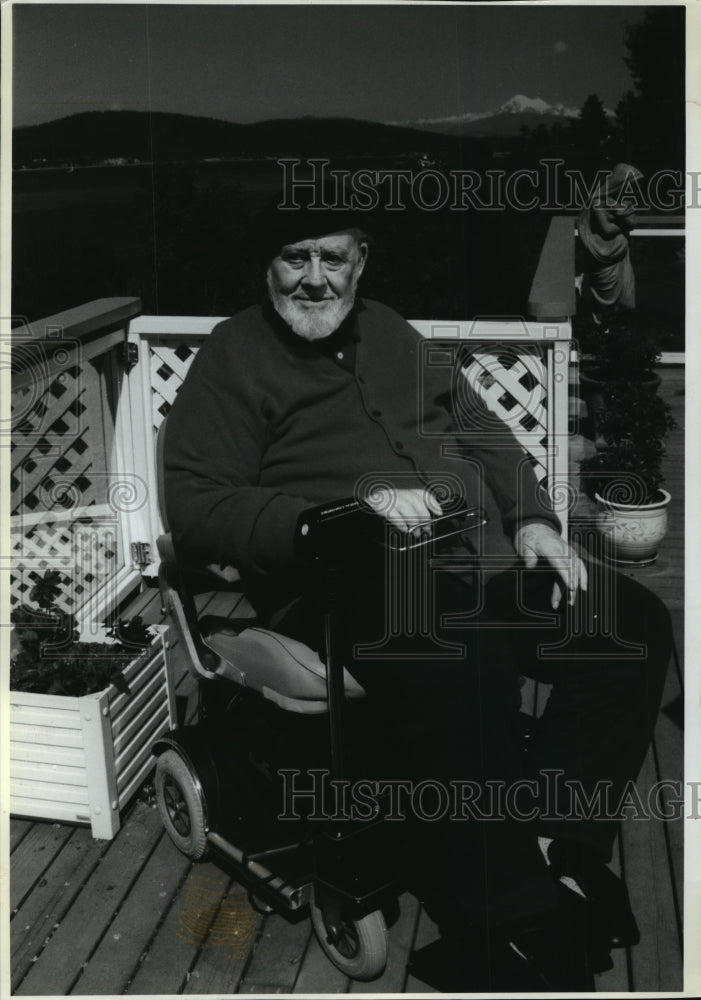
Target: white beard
312,322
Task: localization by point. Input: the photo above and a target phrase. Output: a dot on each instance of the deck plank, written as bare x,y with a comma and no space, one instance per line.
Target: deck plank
426,934
114,960
33,856
318,975
51,898
668,753
19,828
229,942
165,967
72,944
148,605
277,956
656,962
677,664
615,980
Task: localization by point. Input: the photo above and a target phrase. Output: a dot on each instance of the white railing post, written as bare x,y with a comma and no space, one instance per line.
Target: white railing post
99,762
559,358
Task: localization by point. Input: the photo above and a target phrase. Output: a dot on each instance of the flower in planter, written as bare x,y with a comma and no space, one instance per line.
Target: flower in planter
630,419
46,590
622,348
633,423
48,658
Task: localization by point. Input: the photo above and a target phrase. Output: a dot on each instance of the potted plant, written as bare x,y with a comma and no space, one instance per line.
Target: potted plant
629,422
83,715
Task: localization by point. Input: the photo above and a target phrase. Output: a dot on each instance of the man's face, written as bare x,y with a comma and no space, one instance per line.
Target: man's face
312,283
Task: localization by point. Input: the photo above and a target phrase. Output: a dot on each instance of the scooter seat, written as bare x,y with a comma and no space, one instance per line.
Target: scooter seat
282,669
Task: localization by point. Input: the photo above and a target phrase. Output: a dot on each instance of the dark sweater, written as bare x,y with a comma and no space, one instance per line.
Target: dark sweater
267,424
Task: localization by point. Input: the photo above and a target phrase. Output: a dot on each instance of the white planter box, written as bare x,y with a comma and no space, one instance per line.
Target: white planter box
81,759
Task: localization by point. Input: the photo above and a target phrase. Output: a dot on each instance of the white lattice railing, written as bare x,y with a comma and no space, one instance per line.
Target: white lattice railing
518,370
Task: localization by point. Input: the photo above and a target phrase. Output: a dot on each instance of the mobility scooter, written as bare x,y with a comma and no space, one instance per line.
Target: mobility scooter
252,782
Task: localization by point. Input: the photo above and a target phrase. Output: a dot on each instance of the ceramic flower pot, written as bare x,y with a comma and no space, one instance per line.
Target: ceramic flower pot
632,532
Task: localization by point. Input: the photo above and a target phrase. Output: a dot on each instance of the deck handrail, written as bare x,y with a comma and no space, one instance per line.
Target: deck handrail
84,331
657,225
81,322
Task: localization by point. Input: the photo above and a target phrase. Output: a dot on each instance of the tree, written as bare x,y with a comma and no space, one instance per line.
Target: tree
629,125
653,115
592,129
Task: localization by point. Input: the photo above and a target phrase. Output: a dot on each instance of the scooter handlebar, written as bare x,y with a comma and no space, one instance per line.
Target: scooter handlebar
336,529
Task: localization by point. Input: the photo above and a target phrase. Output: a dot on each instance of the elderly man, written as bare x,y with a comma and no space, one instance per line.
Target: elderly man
315,395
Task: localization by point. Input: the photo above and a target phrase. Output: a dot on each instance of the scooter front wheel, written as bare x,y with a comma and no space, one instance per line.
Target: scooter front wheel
358,947
179,801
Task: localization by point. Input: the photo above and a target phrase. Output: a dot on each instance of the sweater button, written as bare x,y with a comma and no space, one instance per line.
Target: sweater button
377,413
399,446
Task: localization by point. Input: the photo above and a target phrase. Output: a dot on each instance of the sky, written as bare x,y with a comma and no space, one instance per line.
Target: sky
241,63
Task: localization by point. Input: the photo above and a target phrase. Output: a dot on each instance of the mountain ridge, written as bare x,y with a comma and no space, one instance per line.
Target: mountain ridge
98,136
129,136
498,121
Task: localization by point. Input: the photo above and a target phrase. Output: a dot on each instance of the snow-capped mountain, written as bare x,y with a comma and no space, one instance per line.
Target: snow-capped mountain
506,119
519,103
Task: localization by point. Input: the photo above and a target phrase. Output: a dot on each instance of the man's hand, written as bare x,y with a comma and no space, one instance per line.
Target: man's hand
405,509
540,541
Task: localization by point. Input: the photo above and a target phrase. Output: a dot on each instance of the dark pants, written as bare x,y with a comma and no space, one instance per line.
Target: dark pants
443,677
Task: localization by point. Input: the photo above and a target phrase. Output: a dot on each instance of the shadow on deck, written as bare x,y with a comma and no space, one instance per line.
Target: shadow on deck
132,915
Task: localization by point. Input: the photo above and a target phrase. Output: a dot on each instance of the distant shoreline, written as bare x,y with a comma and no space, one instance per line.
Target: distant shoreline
65,168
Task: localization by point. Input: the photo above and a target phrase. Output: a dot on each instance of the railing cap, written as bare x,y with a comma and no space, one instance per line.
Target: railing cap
80,323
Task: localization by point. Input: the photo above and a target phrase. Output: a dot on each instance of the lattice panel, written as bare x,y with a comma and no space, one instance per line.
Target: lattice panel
512,384
52,424
61,485
169,365
83,550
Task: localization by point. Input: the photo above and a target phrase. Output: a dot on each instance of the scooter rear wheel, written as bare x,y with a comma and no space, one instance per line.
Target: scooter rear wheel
358,947
179,801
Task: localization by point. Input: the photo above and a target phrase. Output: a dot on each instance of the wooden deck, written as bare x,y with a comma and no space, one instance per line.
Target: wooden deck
133,916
